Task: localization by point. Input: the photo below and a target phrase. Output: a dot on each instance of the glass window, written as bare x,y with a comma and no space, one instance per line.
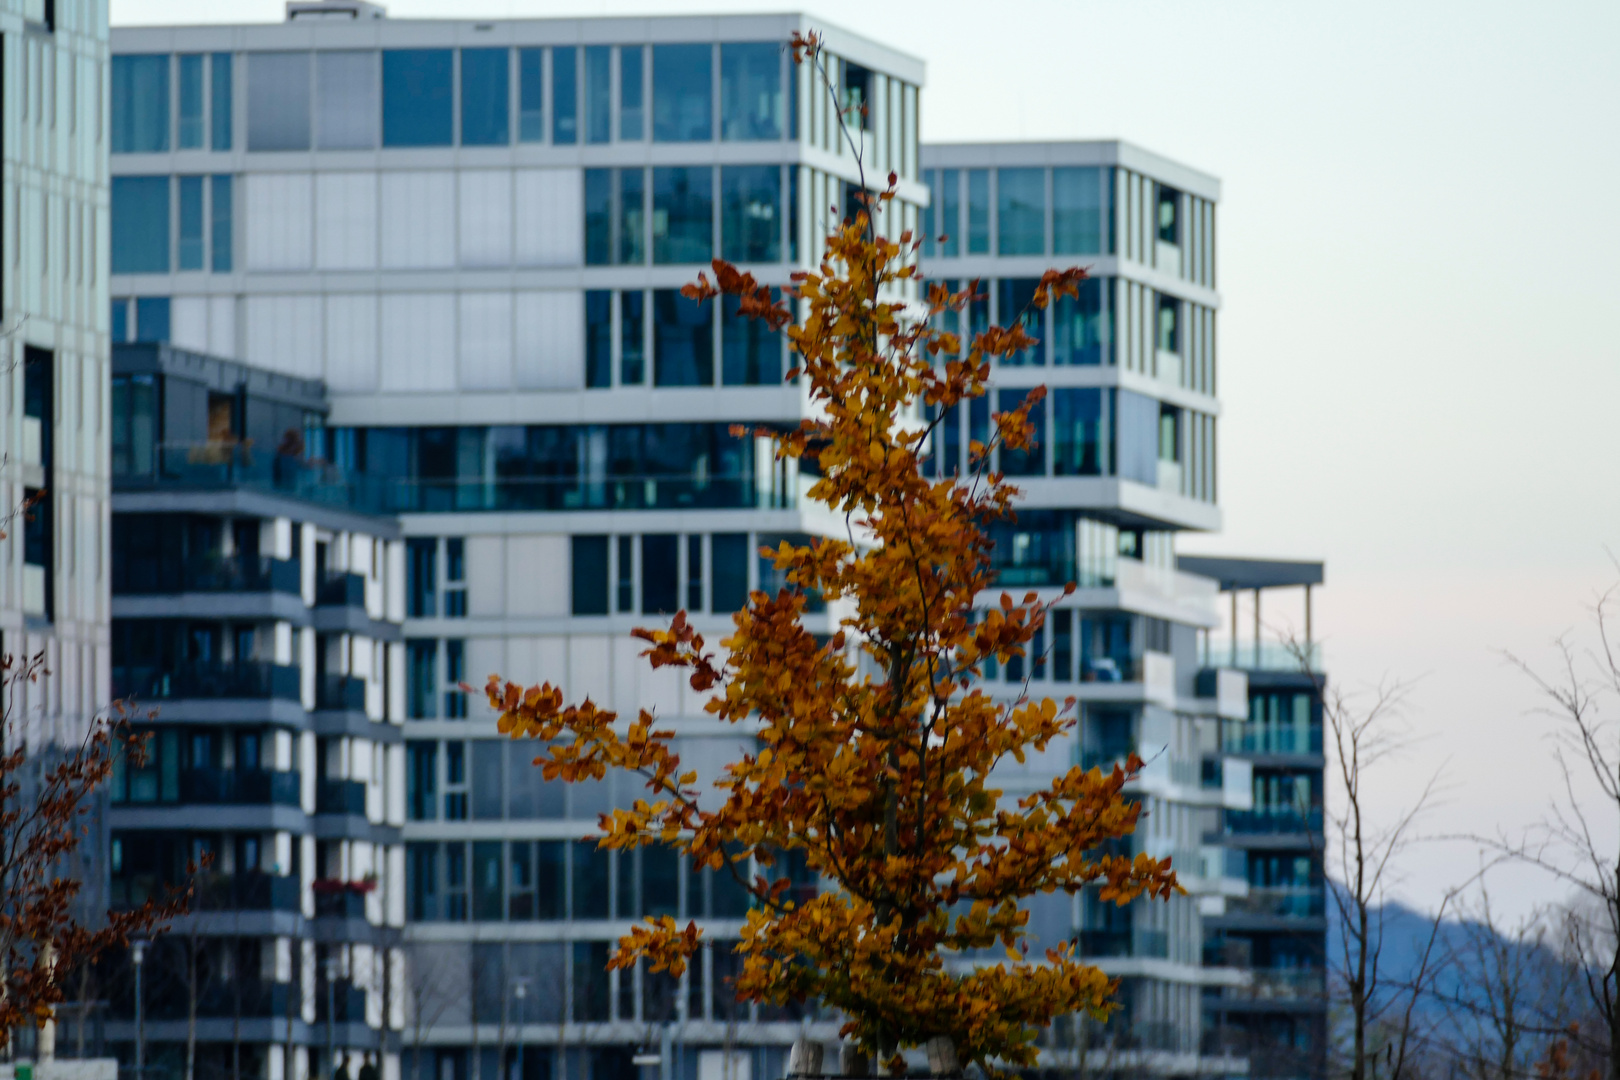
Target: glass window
626,578
152,318
1082,330
1021,211
189,133
751,213
220,227
598,338
140,103
345,100
278,101
531,96
694,573
683,340
950,208
422,677
1169,216
683,93
660,573
488,767
928,216
599,93
751,352
1169,330
1169,433
978,208
1077,211
751,91
632,338
417,97
564,96
1136,443
1030,462
683,215
422,781
598,216
632,111
589,575
489,895
632,223
140,224
484,97
1015,302
120,322
728,555
219,108
190,249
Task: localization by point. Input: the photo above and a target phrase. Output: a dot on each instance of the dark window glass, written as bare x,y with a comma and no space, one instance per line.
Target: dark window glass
485,97
1168,216
529,796
1082,325
520,880
928,216
632,338
950,209
422,577
455,672
590,575
1169,434
728,555
564,96
1081,432
1015,302
751,352
152,318
632,112
551,878
422,679
189,135
598,338
140,104
951,452
1062,620
219,108
751,90
422,778
489,894
793,213
626,581
220,231
591,999
488,767
1030,462
978,208
632,216
660,881
531,95
140,224
1077,211
417,97
591,874
598,217
120,320
978,427
278,101
1036,549
694,573
599,93
660,573
189,253
1169,329
683,93
455,882
751,213
424,881
1021,211
683,340
683,215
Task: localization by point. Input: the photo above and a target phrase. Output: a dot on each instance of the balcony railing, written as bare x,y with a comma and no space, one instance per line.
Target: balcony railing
1267,656
341,797
341,590
1281,821
243,787
252,890
212,466
1304,903
1242,737
216,573
1293,984
341,692
1106,943
342,904
348,1003
206,679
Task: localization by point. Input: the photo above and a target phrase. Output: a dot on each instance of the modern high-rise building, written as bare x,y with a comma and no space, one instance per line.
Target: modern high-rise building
454,248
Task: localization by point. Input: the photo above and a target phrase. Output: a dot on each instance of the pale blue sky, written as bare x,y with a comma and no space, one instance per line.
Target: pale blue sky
1419,248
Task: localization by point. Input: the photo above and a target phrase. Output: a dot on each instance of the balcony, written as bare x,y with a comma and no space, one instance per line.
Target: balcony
342,1001
1264,656
341,590
1280,985
240,787
212,574
1276,823
251,890
340,904
341,692
227,466
1256,738
1094,944
206,679
341,797
1289,903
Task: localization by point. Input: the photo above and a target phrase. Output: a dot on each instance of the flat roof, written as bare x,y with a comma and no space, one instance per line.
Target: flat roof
1073,152
1243,574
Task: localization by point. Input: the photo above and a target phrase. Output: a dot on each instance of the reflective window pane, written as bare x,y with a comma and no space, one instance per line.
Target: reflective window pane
190,248
598,338
345,100
632,222
190,131
152,318
531,96
751,213
219,105
1015,300
632,112
417,96
751,91
485,97
565,96
683,340
978,211
221,215
1030,461
1082,326
1077,211
683,215
750,351
140,224
598,216
1080,432
599,94
278,101
683,93
140,103
1021,211
632,338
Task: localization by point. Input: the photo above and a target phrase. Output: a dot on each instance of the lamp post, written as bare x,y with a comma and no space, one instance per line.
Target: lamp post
331,1014
520,990
137,950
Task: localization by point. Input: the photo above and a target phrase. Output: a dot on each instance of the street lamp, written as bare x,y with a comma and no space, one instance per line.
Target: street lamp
138,956
520,990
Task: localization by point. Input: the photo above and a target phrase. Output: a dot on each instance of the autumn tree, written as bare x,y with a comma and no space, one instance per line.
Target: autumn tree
877,747
47,794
